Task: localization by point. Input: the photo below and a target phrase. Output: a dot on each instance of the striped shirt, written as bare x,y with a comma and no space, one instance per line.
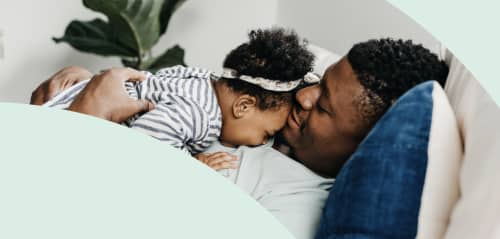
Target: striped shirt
186,114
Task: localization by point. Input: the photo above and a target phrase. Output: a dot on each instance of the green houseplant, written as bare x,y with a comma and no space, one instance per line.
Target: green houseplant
132,28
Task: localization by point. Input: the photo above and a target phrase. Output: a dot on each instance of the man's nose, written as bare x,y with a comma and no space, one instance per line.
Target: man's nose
308,96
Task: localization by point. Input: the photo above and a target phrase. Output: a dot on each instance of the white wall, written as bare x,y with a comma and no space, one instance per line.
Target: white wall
209,29
29,53
338,24
206,29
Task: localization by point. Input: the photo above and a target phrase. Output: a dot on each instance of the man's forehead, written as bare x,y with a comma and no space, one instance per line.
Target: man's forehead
343,89
340,76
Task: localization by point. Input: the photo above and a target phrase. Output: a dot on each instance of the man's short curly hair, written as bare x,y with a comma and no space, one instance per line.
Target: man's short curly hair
275,54
387,68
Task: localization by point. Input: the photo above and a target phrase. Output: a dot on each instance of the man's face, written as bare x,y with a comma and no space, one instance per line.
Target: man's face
324,126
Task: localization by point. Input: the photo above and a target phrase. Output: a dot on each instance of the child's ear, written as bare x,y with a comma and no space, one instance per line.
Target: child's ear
243,105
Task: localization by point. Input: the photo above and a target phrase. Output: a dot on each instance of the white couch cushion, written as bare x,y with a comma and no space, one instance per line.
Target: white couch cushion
476,214
441,189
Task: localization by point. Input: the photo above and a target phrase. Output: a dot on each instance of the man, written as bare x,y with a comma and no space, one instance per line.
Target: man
325,126
332,118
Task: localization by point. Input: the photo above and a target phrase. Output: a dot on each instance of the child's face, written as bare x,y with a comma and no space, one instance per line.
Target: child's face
255,127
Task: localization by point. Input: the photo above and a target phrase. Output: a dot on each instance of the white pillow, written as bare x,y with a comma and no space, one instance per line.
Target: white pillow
441,189
324,58
476,214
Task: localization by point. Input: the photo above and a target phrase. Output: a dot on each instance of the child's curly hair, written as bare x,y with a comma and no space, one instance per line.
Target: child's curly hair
275,54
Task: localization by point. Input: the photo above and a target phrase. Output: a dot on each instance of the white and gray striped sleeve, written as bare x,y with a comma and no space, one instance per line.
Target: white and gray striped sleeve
179,122
66,97
180,71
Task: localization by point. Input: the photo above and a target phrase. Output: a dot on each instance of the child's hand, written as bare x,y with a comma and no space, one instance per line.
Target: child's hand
218,160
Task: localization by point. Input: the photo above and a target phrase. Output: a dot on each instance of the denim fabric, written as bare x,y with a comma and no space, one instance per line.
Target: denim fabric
377,192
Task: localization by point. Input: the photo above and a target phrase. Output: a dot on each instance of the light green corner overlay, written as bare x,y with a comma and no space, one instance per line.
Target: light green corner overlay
65,175
470,29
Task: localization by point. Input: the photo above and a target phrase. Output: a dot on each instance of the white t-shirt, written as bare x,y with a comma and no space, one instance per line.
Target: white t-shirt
291,192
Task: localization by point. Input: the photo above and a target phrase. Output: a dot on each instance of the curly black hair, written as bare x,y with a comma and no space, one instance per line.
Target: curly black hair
387,68
276,54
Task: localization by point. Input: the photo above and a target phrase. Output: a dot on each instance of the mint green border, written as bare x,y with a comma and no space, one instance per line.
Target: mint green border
205,206
67,175
470,29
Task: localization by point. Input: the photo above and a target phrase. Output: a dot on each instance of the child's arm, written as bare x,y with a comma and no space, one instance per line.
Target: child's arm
218,160
180,123
163,125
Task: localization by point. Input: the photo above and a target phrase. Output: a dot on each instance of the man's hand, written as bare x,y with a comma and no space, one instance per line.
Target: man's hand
218,160
105,96
60,81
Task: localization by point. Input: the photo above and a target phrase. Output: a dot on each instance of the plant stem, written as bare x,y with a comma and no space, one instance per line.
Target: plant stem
139,62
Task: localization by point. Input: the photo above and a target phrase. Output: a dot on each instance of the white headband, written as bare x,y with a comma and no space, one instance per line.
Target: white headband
271,85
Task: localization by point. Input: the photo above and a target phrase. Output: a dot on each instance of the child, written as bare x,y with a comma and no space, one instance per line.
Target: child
246,105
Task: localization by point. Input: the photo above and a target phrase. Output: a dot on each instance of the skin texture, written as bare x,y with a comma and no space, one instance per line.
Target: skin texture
105,97
218,160
60,81
326,123
100,97
324,127
322,130
243,122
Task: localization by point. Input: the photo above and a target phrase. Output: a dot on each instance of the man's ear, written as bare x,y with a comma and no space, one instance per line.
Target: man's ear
243,105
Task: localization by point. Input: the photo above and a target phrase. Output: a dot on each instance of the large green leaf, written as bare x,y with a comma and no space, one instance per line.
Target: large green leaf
132,28
93,37
135,23
171,57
